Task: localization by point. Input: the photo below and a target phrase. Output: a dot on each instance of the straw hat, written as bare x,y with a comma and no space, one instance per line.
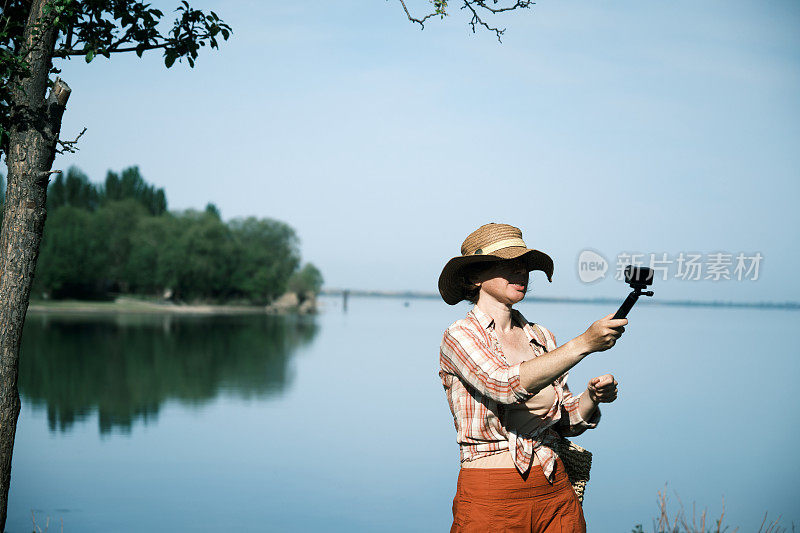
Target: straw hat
487,244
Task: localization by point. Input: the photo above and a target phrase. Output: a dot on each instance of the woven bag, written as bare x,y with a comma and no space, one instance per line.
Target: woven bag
577,463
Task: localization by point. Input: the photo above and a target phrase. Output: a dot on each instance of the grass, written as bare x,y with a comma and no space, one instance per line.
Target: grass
680,523
37,529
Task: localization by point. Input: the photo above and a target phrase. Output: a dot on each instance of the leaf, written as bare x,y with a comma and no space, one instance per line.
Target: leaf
169,59
90,55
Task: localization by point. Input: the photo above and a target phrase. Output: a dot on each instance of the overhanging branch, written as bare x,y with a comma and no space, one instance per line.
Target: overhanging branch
477,20
64,52
419,21
475,8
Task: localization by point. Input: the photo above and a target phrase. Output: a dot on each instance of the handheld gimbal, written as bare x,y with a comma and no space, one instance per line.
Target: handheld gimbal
638,278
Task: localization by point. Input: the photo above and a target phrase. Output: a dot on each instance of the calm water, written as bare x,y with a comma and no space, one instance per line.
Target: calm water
337,424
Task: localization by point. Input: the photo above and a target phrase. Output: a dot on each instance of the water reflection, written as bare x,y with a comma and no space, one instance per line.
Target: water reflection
125,367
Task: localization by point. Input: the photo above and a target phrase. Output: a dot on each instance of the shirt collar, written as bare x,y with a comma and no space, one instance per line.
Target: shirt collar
487,321
483,319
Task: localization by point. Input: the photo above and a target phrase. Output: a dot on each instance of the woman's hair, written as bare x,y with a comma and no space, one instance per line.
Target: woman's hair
469,275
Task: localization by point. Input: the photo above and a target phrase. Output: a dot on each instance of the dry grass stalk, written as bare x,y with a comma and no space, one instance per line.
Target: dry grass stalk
37,529
680,524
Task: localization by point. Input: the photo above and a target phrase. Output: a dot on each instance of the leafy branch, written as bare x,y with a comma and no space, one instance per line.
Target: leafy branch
95,30
91,28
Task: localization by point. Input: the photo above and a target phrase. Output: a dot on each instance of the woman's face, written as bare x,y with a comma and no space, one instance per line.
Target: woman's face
505,282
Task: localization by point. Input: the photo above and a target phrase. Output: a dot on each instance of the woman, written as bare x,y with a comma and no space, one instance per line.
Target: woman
506,383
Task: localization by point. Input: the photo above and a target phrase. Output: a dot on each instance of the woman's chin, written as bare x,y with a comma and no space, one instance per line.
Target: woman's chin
517,296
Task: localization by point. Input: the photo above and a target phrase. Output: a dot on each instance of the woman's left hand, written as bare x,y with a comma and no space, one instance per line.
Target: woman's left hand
603,389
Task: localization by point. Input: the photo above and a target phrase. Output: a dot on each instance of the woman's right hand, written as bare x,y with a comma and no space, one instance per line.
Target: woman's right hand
603,334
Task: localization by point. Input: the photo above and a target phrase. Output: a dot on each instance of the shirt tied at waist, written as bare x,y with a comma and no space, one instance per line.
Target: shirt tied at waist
542,442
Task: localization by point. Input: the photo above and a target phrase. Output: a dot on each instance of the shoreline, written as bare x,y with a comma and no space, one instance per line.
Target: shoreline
130,305
414,295
288,304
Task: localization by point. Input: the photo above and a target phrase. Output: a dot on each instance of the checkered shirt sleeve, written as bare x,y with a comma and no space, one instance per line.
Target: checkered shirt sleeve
469,356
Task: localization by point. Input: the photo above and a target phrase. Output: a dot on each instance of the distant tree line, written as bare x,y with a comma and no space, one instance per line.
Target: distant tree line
119,237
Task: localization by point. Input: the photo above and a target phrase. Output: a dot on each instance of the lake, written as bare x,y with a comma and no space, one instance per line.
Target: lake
335,423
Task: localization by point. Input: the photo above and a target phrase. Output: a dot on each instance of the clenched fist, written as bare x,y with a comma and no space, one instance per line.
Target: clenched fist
603,389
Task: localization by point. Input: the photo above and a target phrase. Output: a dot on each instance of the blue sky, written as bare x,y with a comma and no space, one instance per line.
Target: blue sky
661,127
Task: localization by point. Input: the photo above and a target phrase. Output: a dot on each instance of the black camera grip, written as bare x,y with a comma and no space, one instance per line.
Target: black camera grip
627,305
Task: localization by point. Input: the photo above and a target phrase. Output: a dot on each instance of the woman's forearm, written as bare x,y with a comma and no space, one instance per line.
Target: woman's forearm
586,406
541,371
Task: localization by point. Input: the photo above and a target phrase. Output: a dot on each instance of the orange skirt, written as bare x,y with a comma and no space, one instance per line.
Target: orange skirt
500,499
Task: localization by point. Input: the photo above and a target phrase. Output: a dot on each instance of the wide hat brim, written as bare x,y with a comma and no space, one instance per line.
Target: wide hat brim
451,283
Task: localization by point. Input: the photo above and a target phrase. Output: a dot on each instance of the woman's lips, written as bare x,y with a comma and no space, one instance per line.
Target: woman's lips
518,287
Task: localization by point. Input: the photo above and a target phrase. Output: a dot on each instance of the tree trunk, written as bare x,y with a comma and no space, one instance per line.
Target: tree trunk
36,123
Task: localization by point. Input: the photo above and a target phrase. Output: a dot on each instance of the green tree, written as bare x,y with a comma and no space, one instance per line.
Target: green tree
266,255
32,34
198,263
306,280
74,189
72,257
131,185
130,250
151,240
119,220
213,210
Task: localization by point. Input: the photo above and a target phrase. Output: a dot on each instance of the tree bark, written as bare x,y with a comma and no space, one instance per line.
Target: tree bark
36,123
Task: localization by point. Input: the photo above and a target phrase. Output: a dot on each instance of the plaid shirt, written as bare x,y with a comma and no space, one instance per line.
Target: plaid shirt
479,382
